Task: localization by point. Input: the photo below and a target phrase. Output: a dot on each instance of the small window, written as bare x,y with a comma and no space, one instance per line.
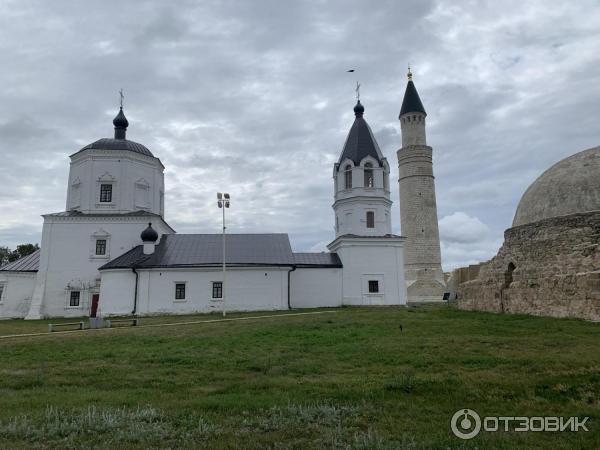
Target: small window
370,219
1,291
106,193
348,177
373,286
217,289
74,298
100,247
368,175
179,291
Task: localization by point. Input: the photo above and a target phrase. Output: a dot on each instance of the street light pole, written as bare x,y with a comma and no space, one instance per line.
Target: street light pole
223,202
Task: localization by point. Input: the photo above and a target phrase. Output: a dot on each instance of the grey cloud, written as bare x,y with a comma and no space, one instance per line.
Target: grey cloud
253,97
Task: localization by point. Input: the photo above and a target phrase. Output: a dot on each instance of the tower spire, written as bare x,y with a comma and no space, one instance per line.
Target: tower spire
120,121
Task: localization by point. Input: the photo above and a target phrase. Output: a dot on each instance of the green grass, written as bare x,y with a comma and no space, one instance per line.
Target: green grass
347,380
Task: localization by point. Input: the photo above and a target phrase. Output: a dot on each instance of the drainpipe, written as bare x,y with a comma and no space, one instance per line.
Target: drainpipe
135,292
288,299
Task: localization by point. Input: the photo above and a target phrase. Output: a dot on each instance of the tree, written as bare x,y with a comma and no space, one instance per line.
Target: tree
4,254
21,251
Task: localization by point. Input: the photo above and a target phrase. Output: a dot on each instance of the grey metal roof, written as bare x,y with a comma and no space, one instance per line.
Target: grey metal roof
385,236
317,260
74,213
205,250
117,144
29,263
360,141
411,101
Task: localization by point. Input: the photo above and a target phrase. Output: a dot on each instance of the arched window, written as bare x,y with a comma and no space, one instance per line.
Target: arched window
369,175
348,177
370,219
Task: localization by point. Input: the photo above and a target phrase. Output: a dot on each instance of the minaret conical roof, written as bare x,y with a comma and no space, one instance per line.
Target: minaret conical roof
412,101
360,141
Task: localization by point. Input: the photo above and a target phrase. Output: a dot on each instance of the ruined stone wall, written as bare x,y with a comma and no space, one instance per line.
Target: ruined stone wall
549,268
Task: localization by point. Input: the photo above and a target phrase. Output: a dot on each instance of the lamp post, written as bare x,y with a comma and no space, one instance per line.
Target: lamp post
223,203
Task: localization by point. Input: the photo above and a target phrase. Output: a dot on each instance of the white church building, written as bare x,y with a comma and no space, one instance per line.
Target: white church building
111,252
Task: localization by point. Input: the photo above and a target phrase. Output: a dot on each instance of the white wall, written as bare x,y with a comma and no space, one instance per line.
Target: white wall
67,259
247,289
17,293
367,259
314,288
124,170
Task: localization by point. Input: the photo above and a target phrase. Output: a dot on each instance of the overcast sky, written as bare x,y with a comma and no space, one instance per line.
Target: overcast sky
253,97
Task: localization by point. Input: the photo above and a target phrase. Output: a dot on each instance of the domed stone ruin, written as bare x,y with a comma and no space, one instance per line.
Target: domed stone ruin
549,263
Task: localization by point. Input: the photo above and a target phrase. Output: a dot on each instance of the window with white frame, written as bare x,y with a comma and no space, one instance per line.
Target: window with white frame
179,291
368,171
74,299
1,291
348,177
100,247
217,289
106,193
370,219
373,286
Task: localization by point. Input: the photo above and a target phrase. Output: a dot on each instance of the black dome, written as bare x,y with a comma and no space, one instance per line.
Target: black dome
120,121
118,144
149,234
359,109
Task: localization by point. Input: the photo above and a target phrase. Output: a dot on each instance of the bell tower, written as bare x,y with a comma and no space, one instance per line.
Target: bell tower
372,256
361,184
418,209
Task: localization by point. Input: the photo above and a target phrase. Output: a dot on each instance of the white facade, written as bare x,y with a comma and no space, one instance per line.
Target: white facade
69,262
248,289
135,181
16,292
116,187
368,193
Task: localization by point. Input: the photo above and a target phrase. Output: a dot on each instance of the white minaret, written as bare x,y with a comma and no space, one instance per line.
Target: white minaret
372,257
418,209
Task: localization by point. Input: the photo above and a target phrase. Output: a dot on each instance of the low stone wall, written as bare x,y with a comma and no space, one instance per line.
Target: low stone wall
549,268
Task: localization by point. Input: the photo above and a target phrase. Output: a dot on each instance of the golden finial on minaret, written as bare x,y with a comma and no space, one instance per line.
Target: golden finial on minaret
409,74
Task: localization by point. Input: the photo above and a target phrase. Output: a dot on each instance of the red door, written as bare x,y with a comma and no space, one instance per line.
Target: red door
95,300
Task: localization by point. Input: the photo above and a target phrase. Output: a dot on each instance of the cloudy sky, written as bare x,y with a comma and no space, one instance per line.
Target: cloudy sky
253,97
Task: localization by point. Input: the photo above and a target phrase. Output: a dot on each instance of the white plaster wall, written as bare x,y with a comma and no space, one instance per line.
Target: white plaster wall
67,259
363,261
116,292
17,293
125,169
351,205
315,288
247,289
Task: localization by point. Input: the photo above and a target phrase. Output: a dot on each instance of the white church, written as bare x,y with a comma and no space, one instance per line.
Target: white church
111,252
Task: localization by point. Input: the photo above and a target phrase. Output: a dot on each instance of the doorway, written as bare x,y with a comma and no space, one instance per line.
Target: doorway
95,301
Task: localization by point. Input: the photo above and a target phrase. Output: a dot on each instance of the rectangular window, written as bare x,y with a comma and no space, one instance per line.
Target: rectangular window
370,219
179,291
106,193
373,286
100,247
74,298
1,291
217,289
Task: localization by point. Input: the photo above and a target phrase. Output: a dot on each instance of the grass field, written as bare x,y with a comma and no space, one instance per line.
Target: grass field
352,379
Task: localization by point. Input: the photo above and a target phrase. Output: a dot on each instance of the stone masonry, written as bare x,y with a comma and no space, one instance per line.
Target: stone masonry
550,267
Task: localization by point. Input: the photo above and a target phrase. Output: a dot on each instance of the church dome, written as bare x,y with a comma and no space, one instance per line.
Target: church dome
568,187
118,144
360,142
149,234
